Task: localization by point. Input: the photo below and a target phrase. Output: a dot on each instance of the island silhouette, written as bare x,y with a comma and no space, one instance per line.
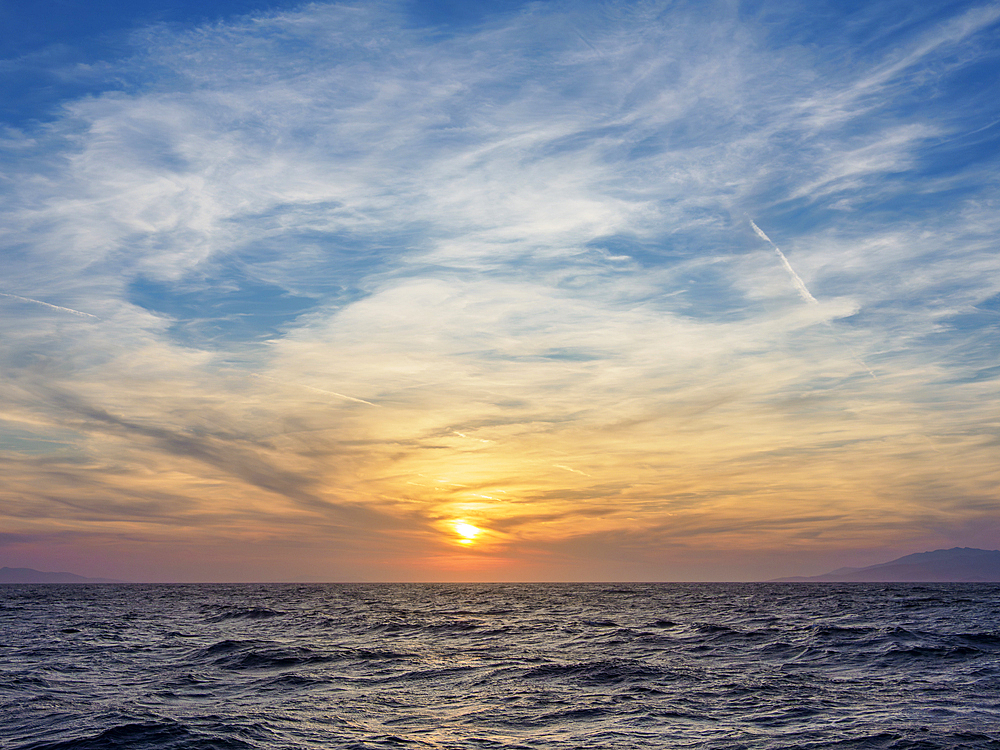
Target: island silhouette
30,575
956,565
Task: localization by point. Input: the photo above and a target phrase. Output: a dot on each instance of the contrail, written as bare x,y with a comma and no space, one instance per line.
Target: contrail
318,390
800,284
54,307
796,279
587,41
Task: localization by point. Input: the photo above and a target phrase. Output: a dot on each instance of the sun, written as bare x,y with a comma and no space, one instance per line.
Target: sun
466,531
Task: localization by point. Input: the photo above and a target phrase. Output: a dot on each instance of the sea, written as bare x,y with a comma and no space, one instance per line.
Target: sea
499,666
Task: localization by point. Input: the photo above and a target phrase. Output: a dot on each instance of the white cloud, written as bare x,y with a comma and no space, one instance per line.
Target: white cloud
526,245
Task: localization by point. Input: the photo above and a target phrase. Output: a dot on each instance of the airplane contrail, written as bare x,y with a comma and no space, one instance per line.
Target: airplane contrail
338,395
318,390
800,285
46,304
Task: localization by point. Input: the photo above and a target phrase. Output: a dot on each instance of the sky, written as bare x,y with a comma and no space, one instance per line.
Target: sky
497,291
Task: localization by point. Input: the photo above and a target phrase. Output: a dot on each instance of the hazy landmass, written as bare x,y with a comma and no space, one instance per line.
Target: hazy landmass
29,575
956,565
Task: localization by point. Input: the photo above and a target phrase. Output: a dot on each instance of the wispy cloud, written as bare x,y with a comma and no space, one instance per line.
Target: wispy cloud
523,243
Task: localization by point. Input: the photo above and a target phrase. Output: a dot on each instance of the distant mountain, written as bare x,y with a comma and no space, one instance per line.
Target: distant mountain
957,565
28,575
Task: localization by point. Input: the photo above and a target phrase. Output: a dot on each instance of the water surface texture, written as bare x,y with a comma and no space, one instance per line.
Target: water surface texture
230,667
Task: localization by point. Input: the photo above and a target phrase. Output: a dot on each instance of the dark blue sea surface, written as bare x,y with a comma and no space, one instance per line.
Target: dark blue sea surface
233,667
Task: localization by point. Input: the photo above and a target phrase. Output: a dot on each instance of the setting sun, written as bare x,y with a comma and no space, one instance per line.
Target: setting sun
466,531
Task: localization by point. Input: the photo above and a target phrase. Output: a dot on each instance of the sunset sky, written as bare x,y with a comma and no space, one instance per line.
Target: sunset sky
492,291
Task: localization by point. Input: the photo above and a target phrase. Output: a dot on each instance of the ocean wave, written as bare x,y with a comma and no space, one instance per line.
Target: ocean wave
245,613
612,671
143,736
289,667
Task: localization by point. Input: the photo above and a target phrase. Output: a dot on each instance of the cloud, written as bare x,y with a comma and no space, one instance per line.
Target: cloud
523,242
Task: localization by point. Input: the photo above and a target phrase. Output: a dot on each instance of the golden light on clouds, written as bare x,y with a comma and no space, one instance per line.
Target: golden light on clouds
424,298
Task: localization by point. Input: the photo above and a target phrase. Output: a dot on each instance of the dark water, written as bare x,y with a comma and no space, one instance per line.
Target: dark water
227,667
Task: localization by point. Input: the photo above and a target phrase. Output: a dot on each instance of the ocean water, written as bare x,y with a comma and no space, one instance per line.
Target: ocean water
231,667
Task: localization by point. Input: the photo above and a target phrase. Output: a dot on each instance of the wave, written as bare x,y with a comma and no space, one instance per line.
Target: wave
254,654
246,613
612,671
154,735
709,666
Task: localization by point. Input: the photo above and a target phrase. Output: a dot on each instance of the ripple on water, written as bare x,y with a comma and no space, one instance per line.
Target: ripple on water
445,667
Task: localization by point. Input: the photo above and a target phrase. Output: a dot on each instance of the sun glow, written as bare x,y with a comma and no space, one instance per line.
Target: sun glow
466,531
